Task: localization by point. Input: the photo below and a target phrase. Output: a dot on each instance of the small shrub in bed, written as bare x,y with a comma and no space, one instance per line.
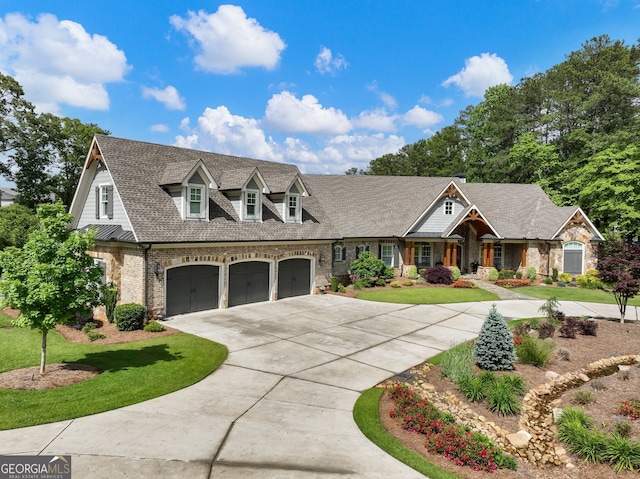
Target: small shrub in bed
546,330
570,327
493,275
455,273
534,351
464,283
589,327
109,298
412,273
334,283
395,284
129,316
554,274
381,282
502,399
547,281
407,283
439,274
531,273
565,277
583,398
518,274
153,327
457,362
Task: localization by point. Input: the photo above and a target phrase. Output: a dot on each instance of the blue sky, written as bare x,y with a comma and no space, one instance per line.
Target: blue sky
326,85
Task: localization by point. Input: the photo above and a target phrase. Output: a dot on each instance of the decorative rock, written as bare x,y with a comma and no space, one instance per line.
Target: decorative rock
519,440
584,377
570,466
557,412
551,375
623,368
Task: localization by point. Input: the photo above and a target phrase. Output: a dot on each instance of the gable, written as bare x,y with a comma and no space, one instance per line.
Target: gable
437,220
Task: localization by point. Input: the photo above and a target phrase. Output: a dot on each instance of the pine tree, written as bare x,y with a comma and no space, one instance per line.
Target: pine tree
494,350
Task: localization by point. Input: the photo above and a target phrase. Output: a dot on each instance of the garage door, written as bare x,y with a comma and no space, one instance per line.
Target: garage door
248,283
294,277
192,288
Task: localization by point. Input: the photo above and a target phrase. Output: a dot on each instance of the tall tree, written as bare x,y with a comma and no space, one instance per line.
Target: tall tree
16,222
619,270
51,277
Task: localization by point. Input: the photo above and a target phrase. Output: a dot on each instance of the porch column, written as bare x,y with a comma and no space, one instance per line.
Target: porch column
412,252
485,255
491,254
447,253
406,253
523,255
454,254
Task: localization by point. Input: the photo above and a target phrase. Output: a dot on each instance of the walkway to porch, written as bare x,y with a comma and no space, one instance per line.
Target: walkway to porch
503,293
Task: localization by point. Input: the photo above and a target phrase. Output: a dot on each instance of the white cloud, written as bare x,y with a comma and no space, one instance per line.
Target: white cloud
285,113
160,128
228,40
446,102
220,131
386,98
345,151
421,117
326,63
297,151
480,73
376,120
49,58
169,97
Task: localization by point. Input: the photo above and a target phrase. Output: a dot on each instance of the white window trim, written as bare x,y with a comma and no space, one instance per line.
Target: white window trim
257,216
295,218
444,207
337,249
203,202
570,248
104,206
421,256
390,256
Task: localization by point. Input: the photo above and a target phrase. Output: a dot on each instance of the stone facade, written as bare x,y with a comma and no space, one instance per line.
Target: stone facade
125,266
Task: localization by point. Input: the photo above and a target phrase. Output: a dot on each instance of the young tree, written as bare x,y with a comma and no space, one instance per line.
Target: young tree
494,350
619,270
51,277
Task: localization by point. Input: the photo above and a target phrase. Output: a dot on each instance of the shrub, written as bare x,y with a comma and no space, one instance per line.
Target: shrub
583,398
561,284
563,354
622,453
532,273
622,429
129,316
546,330
153,327
334,284
464,283
395,284
502,399
534,351
589,281
493,274
494,350
381,282
109,298
457,362
422,271
549,308
554,274
519,331
407,283
341,288
570,327
566,277
589,327
473,388
547,281
389,273
363,283
88,329
367,266
412,272
512,283
439,274
515,382
518,274
598,385
455,273
506,274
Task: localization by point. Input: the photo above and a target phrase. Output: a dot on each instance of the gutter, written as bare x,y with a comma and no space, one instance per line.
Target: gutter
146,249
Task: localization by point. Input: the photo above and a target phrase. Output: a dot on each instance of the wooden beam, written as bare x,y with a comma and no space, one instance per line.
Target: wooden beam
491,249
454,254
485,255
523,255
447,252
406,253
412,258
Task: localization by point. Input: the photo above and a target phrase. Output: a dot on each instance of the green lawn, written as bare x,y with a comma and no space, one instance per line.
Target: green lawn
573,294
428,295
133,372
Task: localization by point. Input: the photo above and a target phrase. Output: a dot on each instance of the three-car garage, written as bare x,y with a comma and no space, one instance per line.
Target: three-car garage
198,287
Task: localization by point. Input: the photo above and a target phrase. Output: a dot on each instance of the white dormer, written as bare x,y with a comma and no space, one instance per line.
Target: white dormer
189,184
244,187
286,194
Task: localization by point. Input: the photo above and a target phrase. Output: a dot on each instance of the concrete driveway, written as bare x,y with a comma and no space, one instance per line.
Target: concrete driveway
281,405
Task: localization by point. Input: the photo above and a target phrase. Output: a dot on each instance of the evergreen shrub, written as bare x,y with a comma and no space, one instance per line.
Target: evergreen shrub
129,316
494,349
493,274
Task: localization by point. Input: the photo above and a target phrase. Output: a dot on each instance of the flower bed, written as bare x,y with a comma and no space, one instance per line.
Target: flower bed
464,283
512,283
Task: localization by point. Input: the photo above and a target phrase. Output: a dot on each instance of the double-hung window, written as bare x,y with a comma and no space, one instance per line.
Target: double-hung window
251,205
386,251
104,202
293,208
422,257
195,202
338,253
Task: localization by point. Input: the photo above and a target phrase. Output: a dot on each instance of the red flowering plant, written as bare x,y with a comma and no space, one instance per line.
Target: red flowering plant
630,408
443,436
464,283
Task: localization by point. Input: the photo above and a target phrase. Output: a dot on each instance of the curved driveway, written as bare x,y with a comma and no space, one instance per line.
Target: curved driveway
281,405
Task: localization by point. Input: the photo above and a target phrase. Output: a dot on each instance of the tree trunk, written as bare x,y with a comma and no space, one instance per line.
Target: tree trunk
43,355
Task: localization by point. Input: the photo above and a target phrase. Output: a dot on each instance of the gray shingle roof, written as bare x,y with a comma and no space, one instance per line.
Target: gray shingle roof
175,173
374,206
138,168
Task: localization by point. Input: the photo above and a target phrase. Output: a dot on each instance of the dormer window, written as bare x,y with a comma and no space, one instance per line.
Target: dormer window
104,202
251,205
293,208
196,203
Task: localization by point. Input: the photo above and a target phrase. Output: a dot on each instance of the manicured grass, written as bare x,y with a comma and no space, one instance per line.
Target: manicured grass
133,372
573,294
418,295
366,416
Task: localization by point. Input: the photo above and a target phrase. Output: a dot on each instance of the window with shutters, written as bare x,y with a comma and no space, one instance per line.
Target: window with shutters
338,253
